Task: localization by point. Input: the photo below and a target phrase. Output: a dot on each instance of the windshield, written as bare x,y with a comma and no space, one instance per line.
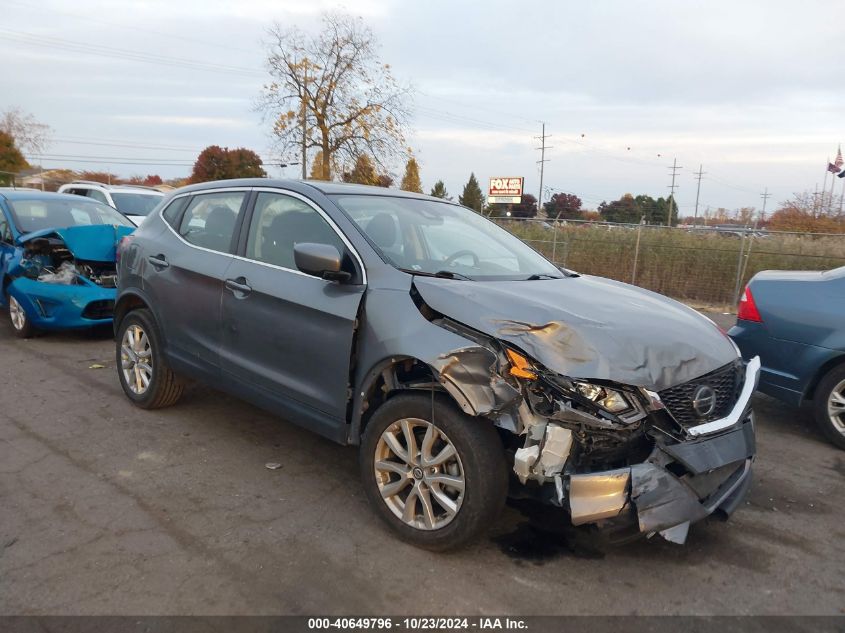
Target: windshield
34,215
135,203
439,238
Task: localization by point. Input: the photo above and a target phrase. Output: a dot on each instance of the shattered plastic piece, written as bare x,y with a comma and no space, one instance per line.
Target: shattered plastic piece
65,275
96,366
677,534
555,449
272,465
523,460
662,501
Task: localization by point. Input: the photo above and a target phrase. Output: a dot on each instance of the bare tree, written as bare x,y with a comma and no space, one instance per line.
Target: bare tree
350,102
31,136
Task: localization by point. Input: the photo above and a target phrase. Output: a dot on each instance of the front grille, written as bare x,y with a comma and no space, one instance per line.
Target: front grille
103,309
725,383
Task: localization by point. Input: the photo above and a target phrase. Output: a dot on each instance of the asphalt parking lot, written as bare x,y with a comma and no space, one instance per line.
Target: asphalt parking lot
108,509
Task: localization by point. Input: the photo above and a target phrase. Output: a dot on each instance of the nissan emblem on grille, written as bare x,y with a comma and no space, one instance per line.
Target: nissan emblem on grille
704,401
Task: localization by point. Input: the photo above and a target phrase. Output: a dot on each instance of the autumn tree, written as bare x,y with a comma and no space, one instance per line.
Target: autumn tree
31,136
105,177
563,206
439,191
526,208
221,163
363,173
11,159
411,179
472,196
151,180
348,98
806,213
622,210
317,167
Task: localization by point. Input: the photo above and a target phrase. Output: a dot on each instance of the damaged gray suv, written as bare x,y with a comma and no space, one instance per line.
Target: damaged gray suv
465,366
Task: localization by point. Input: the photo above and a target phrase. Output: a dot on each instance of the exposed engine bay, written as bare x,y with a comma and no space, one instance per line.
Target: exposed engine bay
48,260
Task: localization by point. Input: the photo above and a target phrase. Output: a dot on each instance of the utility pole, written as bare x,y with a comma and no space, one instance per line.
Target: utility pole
543,147
674,169
305,122
765,195
698,175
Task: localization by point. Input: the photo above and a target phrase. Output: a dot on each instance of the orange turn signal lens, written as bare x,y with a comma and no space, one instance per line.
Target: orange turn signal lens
520,367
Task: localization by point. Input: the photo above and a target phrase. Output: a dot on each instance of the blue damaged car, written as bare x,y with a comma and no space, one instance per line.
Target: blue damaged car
57,260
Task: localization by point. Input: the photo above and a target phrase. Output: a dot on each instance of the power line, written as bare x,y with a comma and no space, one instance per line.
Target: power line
120,53
180,37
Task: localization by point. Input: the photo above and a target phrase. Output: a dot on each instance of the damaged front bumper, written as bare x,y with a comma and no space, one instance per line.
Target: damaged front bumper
679,483
57,306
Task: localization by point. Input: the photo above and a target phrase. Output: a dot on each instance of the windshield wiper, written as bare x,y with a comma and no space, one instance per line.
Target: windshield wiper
442,274
537,276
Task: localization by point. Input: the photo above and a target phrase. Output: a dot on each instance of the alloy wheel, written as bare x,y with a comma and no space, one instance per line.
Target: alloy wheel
136,359
836,407
16,313
419,474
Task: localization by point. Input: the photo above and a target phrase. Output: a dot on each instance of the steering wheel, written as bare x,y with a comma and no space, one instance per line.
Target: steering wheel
450,261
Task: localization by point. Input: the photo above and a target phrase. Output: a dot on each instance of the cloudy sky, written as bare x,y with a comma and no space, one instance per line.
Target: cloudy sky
753,91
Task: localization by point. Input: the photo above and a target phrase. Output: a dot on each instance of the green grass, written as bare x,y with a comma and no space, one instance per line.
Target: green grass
693,267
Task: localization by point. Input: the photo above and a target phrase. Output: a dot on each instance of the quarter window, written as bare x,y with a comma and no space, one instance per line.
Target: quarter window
279,222
174,209
210,219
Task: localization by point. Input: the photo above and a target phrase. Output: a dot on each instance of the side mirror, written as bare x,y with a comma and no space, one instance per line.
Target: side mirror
320,260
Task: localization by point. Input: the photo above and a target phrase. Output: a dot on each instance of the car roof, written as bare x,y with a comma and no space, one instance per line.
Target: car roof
35,194
142,189
328,188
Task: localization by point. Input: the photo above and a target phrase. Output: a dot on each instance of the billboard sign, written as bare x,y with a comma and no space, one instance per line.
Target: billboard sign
505,191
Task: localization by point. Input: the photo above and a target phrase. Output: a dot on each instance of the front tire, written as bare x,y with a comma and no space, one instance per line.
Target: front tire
18,319
829,406
436,476
143,370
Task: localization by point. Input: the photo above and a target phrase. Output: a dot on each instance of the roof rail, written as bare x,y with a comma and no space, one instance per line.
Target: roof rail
89,182
103,184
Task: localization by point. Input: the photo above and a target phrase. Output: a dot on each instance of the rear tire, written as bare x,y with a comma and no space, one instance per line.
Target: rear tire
19,319
829,406
452,499
144,373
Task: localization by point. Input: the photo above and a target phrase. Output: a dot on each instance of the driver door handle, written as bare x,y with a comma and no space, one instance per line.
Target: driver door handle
239,287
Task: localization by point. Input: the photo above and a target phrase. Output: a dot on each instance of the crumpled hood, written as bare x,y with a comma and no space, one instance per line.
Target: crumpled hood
94,243
588,327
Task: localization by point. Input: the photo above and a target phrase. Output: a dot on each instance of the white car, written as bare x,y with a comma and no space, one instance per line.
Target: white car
133,201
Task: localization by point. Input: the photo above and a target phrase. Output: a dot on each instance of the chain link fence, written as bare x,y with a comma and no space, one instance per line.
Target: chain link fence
698,265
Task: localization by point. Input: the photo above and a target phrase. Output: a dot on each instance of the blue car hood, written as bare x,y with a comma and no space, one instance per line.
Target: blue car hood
94,243
588,327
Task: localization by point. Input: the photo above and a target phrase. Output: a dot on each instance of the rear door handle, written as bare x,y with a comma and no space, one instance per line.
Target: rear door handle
238,286
159,261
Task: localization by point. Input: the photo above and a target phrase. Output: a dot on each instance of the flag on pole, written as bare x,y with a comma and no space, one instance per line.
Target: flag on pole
838,162
833,169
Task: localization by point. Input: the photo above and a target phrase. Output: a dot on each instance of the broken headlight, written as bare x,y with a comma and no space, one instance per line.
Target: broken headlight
608,399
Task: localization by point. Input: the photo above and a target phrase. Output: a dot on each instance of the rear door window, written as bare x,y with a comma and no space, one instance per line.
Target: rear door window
99,196
210,220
